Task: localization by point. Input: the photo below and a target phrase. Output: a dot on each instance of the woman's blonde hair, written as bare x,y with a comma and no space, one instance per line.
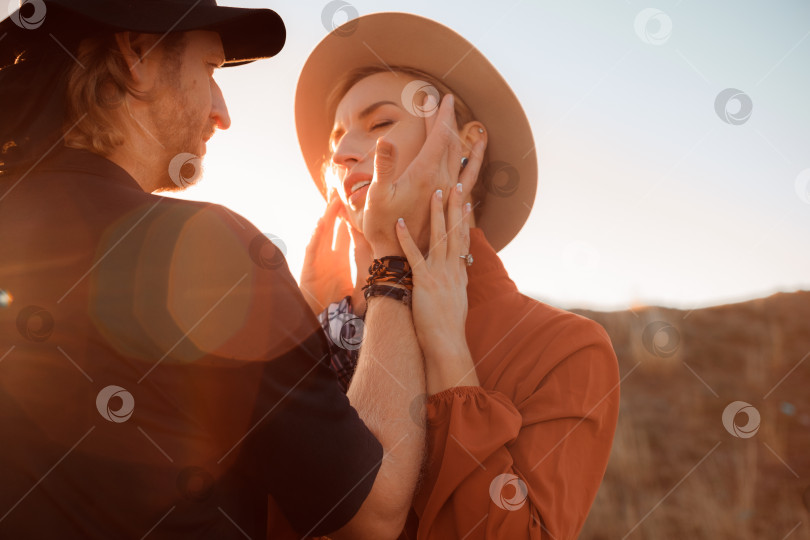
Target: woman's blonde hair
97,86
464,114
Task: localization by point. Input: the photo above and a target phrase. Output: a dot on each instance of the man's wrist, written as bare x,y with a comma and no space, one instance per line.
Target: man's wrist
387,251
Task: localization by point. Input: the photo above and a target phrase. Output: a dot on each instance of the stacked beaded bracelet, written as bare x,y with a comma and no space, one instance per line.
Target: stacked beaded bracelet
391,269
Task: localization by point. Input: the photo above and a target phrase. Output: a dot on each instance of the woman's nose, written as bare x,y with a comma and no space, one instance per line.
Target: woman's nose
349,151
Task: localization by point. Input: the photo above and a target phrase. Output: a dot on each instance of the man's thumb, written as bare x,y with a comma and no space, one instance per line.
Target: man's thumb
384,161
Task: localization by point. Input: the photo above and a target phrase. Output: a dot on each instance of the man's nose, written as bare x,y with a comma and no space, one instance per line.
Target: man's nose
219,110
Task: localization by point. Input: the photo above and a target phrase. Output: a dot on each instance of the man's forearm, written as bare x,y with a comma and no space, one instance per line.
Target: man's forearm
389,377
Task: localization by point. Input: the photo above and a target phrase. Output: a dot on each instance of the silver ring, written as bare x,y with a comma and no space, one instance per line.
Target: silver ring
468,258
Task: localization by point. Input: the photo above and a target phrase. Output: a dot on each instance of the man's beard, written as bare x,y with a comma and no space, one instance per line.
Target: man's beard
179,130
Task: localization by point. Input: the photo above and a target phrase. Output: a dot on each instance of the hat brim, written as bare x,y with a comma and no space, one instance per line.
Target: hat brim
247,34
401,39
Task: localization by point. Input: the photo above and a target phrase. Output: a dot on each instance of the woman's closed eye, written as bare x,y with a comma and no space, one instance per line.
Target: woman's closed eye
381,124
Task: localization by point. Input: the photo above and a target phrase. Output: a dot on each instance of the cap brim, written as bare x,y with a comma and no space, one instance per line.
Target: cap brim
247,34
401,39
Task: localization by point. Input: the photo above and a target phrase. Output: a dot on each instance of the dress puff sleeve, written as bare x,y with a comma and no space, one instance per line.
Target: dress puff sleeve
508,466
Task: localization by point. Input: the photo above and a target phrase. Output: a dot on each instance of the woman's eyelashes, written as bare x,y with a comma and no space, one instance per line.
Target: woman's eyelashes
381,124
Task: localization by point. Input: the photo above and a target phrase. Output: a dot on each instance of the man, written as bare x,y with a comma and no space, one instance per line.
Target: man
160,373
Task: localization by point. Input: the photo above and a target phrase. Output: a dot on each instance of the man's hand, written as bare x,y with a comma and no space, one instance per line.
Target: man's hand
436,166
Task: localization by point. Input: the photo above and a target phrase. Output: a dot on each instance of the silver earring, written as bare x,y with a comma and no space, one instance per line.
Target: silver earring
480,130
464,162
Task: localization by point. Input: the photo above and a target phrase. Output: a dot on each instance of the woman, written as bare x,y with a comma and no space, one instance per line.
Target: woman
519,422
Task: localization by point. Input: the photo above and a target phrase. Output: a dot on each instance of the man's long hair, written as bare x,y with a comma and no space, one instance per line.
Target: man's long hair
32,106
52,96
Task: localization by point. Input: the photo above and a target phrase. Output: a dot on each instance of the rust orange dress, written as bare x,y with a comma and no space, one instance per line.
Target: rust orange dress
523,455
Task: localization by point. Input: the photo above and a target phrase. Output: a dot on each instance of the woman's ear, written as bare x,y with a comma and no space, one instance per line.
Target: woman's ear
142,60
471,133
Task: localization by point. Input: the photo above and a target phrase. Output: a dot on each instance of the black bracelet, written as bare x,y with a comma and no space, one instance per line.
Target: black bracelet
397,293
392,269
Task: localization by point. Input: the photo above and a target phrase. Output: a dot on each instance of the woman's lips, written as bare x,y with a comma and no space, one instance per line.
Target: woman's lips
357,200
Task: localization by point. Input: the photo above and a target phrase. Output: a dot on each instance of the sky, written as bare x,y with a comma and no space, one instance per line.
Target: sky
649,191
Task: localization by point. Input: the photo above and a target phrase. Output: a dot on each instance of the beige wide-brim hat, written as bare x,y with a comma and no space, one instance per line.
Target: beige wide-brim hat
402,39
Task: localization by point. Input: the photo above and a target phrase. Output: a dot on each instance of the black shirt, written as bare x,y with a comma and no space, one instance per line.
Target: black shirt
160,373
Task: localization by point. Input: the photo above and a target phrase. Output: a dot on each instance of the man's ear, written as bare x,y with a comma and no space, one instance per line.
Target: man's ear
140,56
471,133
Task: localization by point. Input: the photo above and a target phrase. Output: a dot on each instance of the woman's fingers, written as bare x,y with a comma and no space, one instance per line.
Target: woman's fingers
322,235
438,230
409,247
343,239
470,173
454,222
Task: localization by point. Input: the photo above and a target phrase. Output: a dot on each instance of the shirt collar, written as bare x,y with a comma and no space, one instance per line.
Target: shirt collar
86,162
487,277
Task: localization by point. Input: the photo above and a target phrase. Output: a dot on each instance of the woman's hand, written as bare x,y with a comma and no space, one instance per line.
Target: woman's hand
440,293
326,276
436,166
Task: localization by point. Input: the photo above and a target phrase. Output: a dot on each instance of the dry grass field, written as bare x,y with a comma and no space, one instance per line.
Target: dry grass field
675,471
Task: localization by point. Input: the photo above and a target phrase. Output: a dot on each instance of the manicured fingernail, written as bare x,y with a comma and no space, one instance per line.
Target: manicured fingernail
439,194
468,208
401,223
459,187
